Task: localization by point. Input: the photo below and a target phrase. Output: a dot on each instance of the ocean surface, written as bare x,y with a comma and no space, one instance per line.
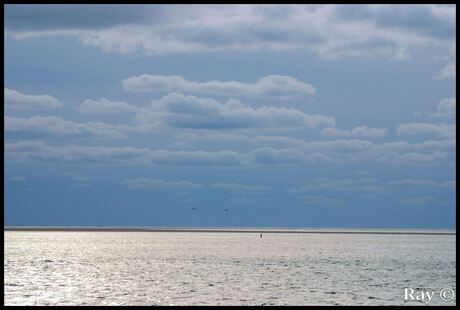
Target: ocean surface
226,268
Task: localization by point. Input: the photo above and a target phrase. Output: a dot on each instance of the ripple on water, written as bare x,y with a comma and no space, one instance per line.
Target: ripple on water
218,268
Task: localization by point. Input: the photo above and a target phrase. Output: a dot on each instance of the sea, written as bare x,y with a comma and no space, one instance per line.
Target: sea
230,267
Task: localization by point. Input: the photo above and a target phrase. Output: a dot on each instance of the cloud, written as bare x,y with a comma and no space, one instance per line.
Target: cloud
449,71
177,110
241,189
340,151
418,201
321,200
144,183
331,31
82,185
105,106
269,156
18,178
413,129
235,140
446,108
357,132
433,146
366,185
342,146
274,86
16,100
56,127
33,150
422,158
76,176
421,182
70,16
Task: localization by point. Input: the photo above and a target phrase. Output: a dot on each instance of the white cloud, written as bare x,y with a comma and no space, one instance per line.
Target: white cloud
366,185
422,158
418,201
433,146
19,178
16,100
82,185
357,132
446,108
449,71
144,183
275,86
56,127
421,182
32,150
76,176
340,151
187,139
270,156
342,146
177,110
330,31
441,130
240,188
105,106
321,200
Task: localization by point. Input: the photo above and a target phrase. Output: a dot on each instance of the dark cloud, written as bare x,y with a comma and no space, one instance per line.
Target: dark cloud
77,16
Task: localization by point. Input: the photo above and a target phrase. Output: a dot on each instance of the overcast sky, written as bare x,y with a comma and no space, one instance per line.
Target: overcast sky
287,116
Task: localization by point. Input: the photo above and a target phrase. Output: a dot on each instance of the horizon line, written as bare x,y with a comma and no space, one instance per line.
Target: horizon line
103,228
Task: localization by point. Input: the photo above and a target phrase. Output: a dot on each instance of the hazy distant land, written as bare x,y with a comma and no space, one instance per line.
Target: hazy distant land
234,229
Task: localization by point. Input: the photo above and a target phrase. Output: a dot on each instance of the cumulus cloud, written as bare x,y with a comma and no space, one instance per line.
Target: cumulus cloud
446,108
19,101
275,86
105,106
449,71
331,31
357,132
180,111
144,183
433,146
56,127
413,129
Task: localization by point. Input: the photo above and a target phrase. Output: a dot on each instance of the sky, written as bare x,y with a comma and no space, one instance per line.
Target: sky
318,116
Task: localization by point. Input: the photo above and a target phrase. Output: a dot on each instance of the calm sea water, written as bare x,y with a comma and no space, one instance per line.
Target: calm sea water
202,268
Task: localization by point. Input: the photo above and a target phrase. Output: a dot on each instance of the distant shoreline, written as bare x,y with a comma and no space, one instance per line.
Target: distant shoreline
233,230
